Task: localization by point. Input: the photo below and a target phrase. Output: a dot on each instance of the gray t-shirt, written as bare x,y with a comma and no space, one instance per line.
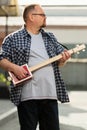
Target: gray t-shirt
42,85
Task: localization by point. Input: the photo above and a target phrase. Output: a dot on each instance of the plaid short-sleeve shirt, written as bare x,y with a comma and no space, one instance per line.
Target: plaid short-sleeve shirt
16,48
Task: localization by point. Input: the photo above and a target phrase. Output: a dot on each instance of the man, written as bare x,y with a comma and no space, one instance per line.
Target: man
36,100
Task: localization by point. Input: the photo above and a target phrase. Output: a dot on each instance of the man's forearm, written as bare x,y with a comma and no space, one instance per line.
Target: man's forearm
6,65
19,71
61,63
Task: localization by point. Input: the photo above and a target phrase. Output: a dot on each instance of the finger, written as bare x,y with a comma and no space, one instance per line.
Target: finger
63,56
66,55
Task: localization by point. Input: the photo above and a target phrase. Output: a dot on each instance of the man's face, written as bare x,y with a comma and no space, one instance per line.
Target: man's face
40,17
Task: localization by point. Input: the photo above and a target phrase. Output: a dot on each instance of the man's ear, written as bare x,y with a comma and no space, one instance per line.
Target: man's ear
31,17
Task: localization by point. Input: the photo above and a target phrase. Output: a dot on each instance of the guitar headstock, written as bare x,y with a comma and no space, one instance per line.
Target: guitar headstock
78,48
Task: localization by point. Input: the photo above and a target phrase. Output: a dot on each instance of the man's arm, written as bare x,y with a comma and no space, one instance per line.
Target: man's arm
16,69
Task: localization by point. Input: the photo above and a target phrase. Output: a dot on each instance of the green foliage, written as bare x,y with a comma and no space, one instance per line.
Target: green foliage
4,80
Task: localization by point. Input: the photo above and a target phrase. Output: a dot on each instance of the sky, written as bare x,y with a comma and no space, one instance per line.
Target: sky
53,2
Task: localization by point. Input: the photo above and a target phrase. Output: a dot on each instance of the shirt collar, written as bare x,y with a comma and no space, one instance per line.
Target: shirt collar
25,32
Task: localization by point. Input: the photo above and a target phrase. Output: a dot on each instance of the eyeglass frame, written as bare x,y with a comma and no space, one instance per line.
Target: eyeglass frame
44,15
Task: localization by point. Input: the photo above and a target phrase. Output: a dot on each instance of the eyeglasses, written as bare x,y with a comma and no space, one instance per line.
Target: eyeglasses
44,15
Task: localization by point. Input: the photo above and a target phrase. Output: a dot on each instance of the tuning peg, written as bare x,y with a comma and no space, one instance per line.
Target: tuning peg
83,50
78,52
77,45
9,78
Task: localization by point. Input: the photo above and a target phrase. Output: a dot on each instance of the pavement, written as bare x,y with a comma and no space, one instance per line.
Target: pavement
73,115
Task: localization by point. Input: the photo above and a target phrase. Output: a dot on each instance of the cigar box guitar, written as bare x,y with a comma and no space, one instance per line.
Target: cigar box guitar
17,82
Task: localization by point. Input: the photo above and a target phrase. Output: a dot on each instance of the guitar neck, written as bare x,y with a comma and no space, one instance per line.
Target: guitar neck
48,61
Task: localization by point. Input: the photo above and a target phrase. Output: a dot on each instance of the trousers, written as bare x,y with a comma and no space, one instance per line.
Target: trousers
38,112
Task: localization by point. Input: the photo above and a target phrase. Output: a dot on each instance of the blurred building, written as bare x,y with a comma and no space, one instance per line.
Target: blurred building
8,8
68,23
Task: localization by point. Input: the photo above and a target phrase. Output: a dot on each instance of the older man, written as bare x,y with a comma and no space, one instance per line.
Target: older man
36,100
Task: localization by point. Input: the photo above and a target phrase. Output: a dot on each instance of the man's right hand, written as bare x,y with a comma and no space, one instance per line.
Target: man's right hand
19,72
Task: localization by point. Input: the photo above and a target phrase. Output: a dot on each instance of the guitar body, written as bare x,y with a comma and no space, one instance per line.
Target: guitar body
18,82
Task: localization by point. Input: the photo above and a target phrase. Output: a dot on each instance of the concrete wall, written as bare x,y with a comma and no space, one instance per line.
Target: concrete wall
66,10
69,34
75,74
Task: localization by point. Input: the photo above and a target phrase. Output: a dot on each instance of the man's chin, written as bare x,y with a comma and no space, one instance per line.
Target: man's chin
43,26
